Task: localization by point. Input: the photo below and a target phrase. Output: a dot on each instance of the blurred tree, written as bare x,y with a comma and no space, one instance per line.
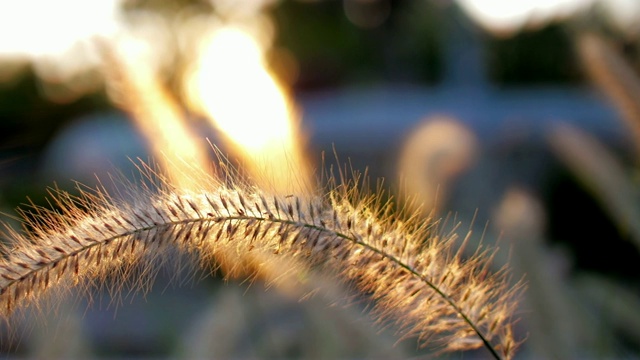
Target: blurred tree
533,57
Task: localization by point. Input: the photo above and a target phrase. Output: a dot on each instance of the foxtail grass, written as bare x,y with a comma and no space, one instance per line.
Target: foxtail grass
414,272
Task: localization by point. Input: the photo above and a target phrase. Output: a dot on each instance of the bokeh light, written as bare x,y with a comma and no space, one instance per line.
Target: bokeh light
232,86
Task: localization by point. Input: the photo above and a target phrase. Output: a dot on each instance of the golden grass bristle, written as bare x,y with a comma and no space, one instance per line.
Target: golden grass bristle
408,266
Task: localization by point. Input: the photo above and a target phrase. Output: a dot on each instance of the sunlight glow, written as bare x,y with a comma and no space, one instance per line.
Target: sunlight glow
139,91
239,93
232,86
506,17
56,36
42,27
71,44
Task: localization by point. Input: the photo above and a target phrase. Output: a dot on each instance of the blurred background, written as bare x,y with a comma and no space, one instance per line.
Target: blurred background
520,119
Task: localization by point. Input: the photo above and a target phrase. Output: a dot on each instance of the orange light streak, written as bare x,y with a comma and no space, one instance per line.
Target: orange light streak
179,152
232,86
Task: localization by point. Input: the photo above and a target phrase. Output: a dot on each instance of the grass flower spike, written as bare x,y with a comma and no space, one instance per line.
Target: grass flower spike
407,266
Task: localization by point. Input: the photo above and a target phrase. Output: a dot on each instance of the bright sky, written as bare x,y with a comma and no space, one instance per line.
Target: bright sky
505,17
42,27
55,34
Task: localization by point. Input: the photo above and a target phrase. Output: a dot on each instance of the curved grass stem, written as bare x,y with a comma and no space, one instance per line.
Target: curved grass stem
424,285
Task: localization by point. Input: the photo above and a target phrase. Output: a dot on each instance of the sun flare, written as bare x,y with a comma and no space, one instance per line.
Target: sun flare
231,85
155,113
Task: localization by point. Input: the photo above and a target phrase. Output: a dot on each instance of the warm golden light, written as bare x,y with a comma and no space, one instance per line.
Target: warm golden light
238,93
55,38
41,28
231,85
156,114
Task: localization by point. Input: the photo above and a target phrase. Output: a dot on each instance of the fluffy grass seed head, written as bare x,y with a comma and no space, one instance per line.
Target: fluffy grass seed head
408,267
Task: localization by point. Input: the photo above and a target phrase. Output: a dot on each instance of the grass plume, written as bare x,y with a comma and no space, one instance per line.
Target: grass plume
408,266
